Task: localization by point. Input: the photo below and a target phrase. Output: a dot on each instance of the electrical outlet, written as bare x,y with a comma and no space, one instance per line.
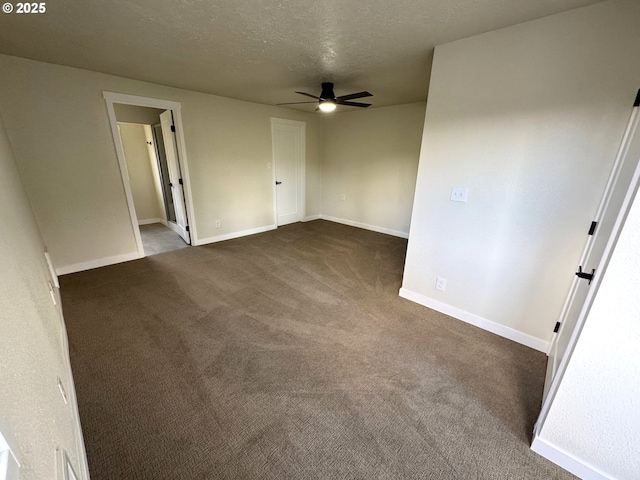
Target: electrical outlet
268,165
217,223
459,194
441,284
343,196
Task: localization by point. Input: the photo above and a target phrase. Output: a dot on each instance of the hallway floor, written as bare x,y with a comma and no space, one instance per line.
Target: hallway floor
158,238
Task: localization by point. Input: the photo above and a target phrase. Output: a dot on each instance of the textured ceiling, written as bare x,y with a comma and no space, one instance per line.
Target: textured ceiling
263,50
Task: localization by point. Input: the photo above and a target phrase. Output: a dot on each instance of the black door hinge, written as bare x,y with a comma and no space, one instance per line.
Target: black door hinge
585,275
556,328
187,228
173,128
180,181
592,228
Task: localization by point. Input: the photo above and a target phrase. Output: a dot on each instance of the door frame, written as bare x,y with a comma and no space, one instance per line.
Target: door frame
156,152
633,128
112,98
301,170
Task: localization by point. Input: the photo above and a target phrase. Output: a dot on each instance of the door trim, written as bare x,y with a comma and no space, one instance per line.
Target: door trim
539,445
302,175
600,270
630,130
167,126
110,99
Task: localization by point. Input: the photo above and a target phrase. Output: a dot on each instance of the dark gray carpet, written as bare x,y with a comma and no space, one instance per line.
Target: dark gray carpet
290,355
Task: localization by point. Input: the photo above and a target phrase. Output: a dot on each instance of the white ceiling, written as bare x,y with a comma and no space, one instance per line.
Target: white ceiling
263,50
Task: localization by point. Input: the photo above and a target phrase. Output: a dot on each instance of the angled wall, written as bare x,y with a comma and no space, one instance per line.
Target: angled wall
34,418
529,118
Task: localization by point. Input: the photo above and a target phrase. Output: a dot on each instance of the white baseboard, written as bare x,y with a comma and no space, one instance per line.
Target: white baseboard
149,221
78,267
101,262
478,321
232,235
567,461
388,231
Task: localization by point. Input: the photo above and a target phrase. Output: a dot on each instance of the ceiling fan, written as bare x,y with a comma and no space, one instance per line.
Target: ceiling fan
327,100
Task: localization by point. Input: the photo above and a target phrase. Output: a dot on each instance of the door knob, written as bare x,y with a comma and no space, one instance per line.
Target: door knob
278,183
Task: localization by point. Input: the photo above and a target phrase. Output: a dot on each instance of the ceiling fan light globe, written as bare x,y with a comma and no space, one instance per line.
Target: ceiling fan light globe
327,106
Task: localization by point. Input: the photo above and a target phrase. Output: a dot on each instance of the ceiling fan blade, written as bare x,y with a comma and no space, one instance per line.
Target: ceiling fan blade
295,103
354,104
309,95
352,96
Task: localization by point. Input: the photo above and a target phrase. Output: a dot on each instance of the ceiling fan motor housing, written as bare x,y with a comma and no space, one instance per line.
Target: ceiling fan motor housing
328,99
327,91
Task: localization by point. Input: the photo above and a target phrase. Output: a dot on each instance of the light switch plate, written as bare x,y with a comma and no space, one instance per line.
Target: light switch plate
459,194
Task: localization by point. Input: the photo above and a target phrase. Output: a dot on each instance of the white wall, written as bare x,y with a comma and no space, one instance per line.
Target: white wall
146,196
57,120
33,416
371,156
595,415
529,118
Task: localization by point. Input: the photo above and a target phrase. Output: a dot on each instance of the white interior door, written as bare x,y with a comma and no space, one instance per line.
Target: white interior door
175,177
579,301
288,158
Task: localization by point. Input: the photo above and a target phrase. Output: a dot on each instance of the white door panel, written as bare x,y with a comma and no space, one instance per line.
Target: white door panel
175,177
578,303
288,160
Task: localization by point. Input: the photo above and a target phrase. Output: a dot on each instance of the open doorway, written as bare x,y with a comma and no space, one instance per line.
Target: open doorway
153,165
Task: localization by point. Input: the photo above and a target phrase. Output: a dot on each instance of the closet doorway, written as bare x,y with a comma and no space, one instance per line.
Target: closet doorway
152,163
